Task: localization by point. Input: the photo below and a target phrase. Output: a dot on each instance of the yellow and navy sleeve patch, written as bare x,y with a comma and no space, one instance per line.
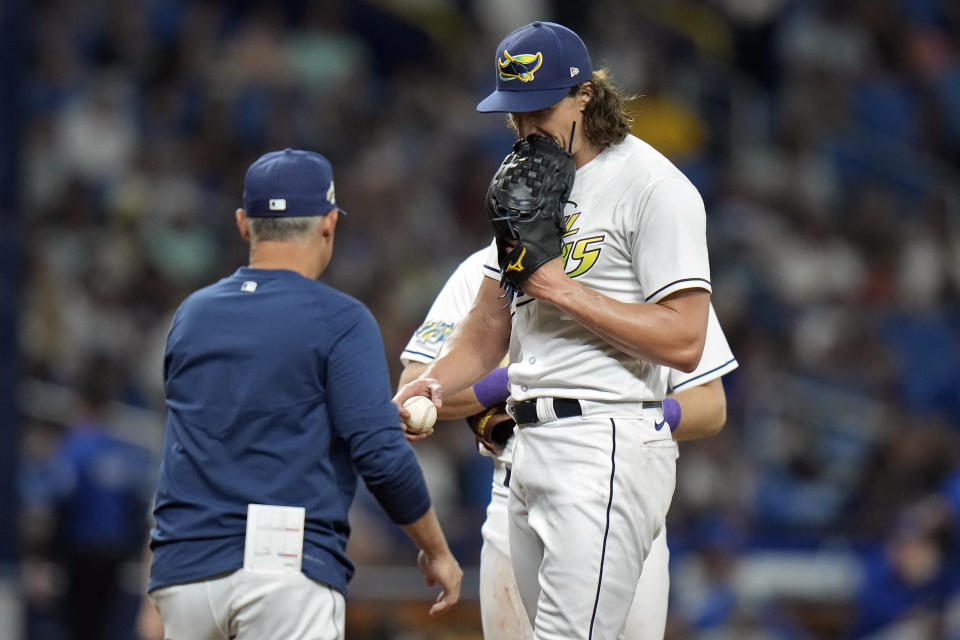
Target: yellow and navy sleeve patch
434,332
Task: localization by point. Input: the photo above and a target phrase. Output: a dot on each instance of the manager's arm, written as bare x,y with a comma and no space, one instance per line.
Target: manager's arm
435,560
358,399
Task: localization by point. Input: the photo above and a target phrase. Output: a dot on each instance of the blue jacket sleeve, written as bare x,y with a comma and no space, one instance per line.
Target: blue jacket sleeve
359,398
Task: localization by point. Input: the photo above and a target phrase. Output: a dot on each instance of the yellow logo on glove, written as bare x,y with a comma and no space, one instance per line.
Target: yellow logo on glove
482,425
518,265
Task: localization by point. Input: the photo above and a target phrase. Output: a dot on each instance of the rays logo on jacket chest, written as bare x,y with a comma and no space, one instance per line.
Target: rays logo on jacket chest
580,254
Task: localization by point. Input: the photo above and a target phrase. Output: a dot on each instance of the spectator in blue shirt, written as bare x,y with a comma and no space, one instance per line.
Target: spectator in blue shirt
94,493
278,395
908,581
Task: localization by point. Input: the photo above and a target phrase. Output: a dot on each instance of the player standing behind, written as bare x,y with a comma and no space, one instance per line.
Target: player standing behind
278,396
699,407
593,470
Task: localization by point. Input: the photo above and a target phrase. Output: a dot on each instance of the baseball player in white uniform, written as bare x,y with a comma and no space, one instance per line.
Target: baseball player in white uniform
501,610
593,466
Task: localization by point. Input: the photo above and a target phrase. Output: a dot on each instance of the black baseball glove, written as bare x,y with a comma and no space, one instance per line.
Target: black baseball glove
525,204
493,427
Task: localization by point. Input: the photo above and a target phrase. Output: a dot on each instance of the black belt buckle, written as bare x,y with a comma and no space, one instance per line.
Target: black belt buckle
525,412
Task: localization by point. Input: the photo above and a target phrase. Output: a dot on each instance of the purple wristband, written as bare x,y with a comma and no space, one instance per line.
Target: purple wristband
493,389
671,413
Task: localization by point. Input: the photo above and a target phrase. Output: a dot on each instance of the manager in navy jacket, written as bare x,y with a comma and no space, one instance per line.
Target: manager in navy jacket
278,394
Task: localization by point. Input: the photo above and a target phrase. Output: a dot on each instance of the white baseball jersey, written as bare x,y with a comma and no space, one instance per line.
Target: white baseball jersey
502,612
453,303
637,234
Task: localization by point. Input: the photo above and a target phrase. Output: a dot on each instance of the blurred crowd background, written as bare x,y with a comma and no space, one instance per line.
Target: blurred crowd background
824,136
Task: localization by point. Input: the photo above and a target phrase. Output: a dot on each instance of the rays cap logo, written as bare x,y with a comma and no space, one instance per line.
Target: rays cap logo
289,183
521,67
536,65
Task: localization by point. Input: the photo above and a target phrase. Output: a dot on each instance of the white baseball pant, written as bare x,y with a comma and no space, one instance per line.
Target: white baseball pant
501,609
251,606
588,497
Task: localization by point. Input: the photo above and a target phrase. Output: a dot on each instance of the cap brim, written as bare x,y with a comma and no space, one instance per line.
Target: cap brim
521,101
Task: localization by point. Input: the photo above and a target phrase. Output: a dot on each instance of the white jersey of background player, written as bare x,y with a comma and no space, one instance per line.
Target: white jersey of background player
501,609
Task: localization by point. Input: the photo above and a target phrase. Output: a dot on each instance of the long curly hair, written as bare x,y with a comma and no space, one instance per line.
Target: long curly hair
606,119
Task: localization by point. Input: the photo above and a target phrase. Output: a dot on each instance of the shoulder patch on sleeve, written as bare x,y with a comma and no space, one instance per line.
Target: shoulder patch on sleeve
434,332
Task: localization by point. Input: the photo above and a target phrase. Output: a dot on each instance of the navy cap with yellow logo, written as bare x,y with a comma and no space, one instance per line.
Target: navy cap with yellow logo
289,183
536,65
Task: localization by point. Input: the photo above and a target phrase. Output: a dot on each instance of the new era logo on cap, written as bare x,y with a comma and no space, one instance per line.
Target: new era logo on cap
536,65
278,204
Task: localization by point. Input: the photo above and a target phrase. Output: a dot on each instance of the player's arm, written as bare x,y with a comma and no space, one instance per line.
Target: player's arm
457,405
478,344
670,331
703,410
475,349
696,406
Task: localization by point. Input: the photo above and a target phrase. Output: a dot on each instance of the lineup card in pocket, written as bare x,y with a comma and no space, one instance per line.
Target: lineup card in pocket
274,542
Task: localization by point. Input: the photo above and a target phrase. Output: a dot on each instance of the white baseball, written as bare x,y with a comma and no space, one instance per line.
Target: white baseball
423,414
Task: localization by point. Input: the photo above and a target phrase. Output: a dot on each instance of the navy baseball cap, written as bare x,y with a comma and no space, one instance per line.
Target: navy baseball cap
536,65
289,183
